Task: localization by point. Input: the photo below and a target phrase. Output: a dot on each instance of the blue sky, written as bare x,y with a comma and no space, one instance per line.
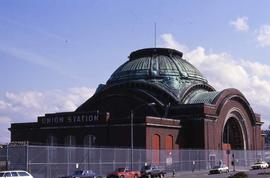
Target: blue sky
53,54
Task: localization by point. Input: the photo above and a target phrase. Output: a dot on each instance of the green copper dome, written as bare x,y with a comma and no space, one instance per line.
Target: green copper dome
156,63
164,68
158,75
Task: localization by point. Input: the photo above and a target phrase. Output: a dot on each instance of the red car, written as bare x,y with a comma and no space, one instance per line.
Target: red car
124,173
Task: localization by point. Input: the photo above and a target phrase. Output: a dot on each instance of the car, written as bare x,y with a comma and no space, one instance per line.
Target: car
124,173
260,165
15,173
219,169
83,174
149,171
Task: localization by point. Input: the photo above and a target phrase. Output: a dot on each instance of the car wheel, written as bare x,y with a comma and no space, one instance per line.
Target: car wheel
227,171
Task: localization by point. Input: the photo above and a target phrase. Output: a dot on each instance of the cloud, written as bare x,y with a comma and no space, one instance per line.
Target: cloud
170,42
224,71
240,24
263,35
26,106
4,124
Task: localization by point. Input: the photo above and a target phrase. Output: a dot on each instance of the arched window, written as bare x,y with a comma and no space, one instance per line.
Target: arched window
51,140
155,148
89,140
169,143
70,152
70,140
51,151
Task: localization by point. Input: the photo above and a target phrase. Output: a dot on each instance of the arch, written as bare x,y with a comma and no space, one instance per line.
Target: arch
233,94
51,140
127,97
169,143
89,140
70,140
156,148
193,88
234,130
139,89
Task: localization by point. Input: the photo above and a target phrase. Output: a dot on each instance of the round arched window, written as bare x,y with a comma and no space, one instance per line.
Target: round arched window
70,140
89,140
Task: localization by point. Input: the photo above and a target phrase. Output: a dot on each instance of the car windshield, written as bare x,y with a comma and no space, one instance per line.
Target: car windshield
215,167
259,163
146,167
78,173
120,169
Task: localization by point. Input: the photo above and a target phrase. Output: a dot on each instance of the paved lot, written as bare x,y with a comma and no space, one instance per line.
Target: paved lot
204,174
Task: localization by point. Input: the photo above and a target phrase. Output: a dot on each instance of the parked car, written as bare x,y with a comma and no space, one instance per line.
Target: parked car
15,173
219,169
149,171
83,174
260,165
124,173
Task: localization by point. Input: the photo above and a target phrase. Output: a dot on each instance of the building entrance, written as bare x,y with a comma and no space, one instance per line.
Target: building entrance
232,134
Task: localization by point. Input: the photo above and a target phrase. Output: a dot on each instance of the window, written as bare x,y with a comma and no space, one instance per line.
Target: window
155,148
89,140
169,143
23,174
51,140
7,174
70,140
14,174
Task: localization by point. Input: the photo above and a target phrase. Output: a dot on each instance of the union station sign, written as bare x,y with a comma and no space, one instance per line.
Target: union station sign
73,118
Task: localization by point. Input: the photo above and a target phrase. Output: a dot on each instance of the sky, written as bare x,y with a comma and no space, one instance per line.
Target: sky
54,54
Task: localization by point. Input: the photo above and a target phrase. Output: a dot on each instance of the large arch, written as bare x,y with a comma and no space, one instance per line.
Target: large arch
233,94
137,89
234,130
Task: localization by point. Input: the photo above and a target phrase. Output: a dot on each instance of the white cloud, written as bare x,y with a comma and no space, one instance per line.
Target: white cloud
172,43
257,69
4,124
263,35
26,106
240,24
224,71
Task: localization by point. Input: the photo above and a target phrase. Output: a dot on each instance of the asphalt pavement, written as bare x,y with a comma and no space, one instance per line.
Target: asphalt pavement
265,173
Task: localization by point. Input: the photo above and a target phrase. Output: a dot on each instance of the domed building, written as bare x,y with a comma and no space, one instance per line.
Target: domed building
155,100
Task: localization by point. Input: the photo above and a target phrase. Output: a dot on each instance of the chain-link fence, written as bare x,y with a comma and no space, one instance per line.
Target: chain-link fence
53,162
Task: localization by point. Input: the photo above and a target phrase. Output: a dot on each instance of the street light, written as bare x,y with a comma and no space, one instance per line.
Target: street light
131,126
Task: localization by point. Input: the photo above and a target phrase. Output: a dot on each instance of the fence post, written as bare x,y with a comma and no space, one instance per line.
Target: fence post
114,158
100,163
7,164
67,152
27,157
